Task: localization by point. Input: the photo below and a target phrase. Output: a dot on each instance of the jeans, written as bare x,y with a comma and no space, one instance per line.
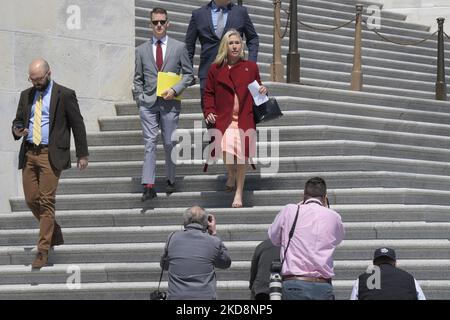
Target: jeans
303,290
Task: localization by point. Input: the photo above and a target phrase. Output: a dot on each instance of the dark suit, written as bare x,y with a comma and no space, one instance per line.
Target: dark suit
64,116
42,165
265,254
201,27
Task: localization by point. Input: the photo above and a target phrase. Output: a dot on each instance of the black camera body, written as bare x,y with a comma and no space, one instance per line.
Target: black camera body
276,282
158,295
275,267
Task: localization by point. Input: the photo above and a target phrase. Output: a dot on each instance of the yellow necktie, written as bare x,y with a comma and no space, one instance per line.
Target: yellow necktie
37,121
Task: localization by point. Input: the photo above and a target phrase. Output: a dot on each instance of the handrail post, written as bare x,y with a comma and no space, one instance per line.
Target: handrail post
277,65
441,86
357,76
293,56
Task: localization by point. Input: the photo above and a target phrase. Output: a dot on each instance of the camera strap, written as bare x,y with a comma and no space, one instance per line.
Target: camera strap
166,252
291,233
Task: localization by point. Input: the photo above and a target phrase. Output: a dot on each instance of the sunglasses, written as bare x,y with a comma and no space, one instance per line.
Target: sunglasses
155,22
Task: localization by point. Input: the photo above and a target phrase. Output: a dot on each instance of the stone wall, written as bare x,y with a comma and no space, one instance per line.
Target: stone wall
90,48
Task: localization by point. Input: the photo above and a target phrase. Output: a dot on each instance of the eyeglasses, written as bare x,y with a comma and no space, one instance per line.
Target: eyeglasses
37,79
155,22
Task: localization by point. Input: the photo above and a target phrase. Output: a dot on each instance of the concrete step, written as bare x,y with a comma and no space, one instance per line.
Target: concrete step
262,19
331,95
326,48
262,214
278,181
226,290
344,63
342,85
281,89
227,232
239,251
239,271
231,290
370,72
265,34
339,76
253,5
295,118
344,95
287,149
215,199
341,54
271,165
192,106
293,133
264,14
419,53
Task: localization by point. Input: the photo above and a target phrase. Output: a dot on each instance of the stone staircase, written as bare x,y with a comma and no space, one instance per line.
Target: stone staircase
384,153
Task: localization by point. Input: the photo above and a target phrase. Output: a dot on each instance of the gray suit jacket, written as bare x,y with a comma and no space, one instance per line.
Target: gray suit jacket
192,256
146,73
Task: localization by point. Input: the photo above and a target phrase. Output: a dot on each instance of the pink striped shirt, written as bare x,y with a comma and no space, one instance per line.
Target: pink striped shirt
318,232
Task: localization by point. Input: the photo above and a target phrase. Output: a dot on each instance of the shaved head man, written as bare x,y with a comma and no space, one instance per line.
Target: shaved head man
39,73
46,115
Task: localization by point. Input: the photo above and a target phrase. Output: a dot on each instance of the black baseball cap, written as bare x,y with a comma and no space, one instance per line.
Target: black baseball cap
384,252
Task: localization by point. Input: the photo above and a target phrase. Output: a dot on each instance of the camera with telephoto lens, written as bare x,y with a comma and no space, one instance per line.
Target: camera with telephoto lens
276,282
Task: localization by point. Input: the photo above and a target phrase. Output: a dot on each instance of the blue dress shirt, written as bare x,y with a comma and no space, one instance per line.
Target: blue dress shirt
215,13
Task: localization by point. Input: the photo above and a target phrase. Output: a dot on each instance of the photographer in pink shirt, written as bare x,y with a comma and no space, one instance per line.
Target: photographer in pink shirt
308,265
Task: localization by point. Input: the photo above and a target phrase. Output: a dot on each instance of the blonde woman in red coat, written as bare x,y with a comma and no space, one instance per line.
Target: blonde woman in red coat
229,107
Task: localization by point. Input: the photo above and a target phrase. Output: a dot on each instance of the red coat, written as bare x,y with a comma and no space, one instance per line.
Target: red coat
221,85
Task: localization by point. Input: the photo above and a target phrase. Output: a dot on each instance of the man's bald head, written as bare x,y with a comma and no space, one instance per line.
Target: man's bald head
39,73
39,65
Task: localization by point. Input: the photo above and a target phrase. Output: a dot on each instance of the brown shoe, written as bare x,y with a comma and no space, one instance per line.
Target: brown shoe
40,260
57,237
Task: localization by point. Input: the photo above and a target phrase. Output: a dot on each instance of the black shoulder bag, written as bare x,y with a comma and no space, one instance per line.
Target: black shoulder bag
157,294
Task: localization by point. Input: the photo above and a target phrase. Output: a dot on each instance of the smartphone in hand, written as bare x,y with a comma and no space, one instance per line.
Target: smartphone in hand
19,126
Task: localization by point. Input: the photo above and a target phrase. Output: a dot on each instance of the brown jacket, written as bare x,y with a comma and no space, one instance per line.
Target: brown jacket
64,116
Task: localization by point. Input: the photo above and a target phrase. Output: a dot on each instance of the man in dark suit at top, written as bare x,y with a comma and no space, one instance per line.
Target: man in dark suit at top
208,24
45,115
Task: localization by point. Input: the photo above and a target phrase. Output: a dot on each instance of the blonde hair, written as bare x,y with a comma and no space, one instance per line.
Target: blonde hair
222,55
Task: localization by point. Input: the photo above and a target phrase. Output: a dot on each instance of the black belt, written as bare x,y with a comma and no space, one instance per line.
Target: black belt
34,147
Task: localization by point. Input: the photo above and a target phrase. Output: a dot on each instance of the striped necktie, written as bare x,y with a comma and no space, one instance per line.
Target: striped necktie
37,136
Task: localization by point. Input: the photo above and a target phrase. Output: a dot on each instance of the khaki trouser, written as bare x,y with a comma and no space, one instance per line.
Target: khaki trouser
39,185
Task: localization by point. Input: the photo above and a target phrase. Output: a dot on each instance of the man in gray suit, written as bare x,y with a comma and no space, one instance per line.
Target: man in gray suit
164,54
191,256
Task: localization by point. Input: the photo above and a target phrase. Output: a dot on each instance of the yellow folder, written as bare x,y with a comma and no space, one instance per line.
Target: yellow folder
165,81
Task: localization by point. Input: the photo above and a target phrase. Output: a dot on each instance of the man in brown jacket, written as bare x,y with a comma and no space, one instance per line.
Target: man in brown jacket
45,115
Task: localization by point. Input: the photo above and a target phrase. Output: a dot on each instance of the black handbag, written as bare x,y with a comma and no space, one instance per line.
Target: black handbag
267,111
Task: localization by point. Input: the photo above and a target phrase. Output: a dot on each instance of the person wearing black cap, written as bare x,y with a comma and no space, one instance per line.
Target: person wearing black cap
387,282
